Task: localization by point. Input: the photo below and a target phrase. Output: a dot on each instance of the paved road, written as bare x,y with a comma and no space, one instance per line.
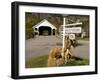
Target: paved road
82,50
43,44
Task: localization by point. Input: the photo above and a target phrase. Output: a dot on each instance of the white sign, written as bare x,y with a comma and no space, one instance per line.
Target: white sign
72,36
73,30
74,24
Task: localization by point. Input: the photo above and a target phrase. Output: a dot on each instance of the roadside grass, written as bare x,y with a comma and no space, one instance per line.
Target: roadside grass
75,61
41,61
85,39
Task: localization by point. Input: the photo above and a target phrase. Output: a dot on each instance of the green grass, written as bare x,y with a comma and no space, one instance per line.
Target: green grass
76,62
86,39
41,61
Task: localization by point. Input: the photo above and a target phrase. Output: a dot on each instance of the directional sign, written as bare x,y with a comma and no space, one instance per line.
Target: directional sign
73,30
72,36
74,24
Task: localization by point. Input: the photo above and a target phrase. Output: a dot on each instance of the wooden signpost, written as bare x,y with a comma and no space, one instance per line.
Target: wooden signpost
70,32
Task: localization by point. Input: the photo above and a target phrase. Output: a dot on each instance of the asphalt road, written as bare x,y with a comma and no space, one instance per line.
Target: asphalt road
42,45
82,50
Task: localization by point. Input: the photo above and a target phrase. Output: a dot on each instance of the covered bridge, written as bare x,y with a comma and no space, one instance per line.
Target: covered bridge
45,28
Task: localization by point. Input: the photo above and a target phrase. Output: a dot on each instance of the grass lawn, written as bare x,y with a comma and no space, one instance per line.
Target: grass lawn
75,61
85,39
41,61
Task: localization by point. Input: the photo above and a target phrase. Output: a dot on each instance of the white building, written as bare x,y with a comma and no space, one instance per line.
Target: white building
45,28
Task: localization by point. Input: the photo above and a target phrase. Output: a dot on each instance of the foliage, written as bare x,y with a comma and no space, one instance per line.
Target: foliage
30,21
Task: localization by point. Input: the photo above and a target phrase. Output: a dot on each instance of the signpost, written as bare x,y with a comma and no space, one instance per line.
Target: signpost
69,31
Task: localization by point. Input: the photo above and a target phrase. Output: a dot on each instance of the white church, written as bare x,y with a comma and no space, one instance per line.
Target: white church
45,28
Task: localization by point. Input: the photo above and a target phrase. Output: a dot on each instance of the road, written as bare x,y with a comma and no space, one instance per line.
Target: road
42,45
82,50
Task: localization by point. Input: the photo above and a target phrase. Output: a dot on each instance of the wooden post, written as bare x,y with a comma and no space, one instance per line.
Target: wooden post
63,47
65,42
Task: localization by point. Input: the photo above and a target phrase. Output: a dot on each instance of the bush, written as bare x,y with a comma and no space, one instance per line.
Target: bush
29,33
